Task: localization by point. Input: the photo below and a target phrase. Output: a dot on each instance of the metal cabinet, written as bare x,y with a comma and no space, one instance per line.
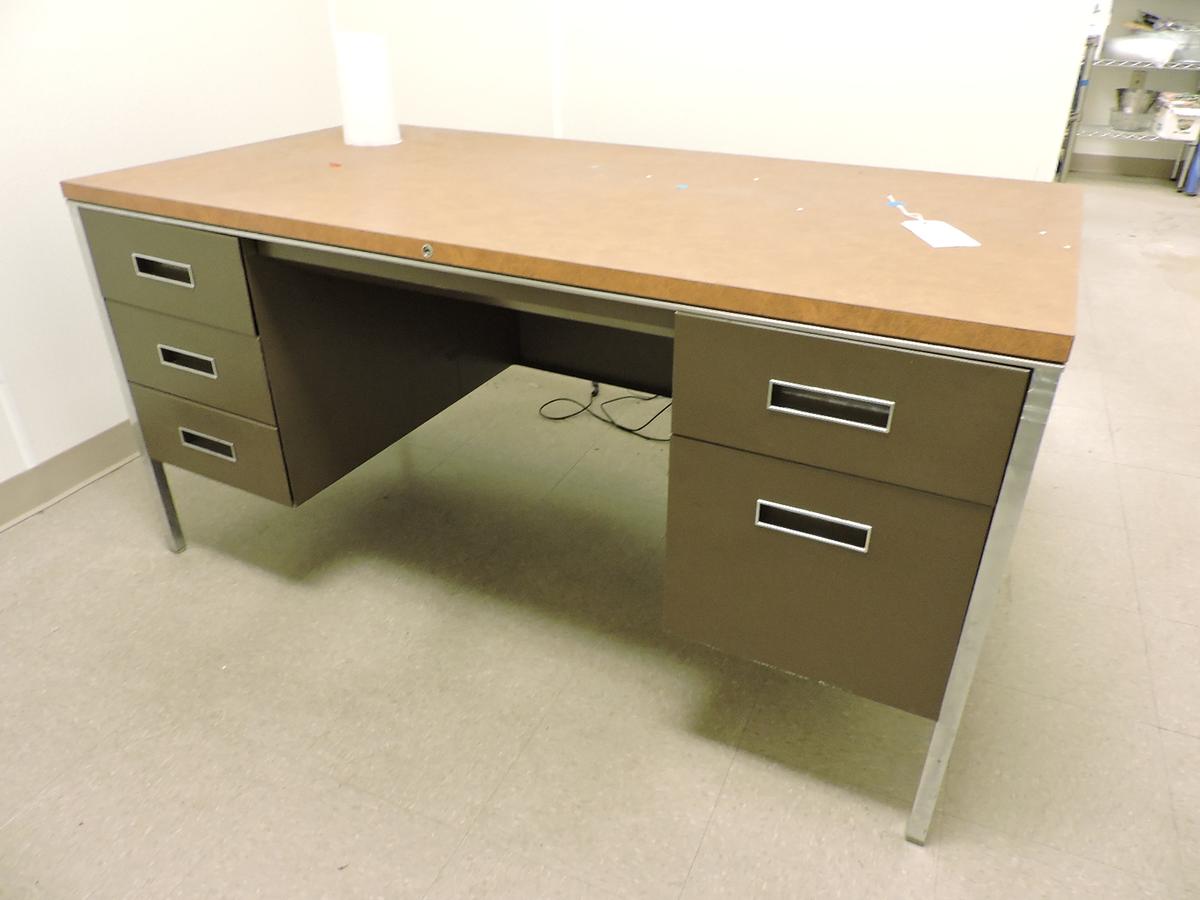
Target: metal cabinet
829,502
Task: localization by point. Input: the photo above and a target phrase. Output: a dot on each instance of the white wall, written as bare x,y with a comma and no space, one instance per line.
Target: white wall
482,66
14,451
89,87
944,85
950,86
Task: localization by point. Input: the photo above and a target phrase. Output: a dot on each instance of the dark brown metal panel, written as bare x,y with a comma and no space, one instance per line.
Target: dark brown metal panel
487,341
354,366
172,257
883,624
597,352
217,444
951,428
210,365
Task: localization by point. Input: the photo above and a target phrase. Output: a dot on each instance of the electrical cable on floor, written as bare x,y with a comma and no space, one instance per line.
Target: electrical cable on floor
604,415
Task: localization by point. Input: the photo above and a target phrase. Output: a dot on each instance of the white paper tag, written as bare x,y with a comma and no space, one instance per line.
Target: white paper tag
939,234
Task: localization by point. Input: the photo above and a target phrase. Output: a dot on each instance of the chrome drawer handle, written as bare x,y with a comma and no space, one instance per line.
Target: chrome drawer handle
186,361
167,270
206,443
814,526
855,410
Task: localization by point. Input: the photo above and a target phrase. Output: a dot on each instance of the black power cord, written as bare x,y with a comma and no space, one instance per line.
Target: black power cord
604,415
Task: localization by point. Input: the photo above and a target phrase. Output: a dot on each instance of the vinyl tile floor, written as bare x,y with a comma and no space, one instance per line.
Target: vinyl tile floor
444,677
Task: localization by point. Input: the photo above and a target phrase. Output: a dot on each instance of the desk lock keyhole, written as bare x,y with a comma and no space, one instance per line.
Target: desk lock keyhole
427,251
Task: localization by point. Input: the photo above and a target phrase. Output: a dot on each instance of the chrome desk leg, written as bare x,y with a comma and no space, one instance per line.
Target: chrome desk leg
175,539
992,567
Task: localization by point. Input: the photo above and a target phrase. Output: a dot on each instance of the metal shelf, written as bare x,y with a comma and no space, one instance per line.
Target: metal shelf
1138,64
1077,129
1109,133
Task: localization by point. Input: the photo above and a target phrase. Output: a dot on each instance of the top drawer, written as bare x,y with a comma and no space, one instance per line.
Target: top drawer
930,422
171,269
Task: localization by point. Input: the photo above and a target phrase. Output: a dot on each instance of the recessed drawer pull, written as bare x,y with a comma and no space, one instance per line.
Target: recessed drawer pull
855,410
163,270
206,443
196,363
814,526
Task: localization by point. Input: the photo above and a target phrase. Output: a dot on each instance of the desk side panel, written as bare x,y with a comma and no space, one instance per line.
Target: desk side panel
354,366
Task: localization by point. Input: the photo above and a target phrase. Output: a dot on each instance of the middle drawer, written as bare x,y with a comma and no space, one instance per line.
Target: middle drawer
220,368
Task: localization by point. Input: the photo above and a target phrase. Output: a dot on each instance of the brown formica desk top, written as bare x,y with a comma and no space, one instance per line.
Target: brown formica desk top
799,241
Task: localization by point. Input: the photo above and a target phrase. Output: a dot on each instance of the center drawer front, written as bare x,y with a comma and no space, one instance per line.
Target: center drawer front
218,445
930,422
170,269
214,366
872,600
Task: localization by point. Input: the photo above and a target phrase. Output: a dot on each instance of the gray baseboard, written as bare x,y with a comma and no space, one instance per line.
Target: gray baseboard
39,487
1142,167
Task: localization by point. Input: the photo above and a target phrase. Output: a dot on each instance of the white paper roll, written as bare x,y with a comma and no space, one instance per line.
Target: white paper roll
365,83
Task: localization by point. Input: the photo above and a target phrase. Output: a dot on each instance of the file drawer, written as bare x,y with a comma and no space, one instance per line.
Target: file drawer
170,269
931,422
210,365
209,442
854,582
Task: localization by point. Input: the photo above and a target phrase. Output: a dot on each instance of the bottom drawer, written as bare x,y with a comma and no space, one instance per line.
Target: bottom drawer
854,582
213,443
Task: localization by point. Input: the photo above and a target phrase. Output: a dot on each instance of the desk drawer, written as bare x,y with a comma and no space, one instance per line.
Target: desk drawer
854,582
211,365
213,443
171,269
930,422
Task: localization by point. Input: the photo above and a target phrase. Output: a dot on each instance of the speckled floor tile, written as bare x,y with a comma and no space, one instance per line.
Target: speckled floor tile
1075,486
1154,443
119,822
1056,561
1174,650
984,864
1163,511
274,840
827,734
1088,655
483,871
1080,782
782,833
1079,430
1183,774
618,782
1081,386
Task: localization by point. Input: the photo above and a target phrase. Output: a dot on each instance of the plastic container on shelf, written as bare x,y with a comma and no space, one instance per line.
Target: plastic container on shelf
1131,100
1189,47
1177,116
1155,47
1127,121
